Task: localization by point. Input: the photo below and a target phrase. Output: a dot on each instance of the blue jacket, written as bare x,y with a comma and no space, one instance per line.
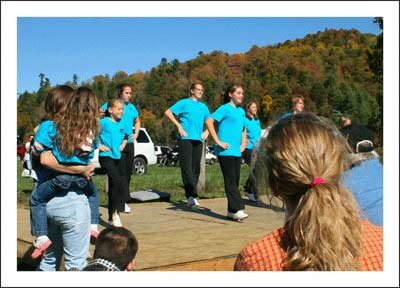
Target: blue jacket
366,183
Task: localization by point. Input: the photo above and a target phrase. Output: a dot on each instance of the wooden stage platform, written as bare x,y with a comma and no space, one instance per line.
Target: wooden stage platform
173,237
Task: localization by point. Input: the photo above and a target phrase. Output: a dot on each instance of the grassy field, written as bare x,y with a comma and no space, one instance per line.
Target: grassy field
166,179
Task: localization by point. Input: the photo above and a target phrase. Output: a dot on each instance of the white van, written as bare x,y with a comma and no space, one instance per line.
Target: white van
144,153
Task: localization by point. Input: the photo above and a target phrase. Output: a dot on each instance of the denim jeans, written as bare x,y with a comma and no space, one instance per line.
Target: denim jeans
54,186
69,225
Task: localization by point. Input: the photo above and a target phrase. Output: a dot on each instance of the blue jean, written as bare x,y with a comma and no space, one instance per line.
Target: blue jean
69,225
54,186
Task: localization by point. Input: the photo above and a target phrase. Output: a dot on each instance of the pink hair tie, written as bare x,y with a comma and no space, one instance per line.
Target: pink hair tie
317,180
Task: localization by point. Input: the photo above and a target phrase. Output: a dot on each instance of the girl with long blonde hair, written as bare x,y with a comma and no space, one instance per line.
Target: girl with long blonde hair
113,140
304,157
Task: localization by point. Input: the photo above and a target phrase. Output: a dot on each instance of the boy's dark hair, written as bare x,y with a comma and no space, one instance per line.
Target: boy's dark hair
117,245
356,133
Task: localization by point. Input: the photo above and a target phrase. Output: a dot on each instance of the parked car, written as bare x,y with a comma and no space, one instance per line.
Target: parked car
20,152
144,153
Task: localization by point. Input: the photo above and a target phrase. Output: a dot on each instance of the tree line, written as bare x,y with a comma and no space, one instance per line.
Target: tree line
337,71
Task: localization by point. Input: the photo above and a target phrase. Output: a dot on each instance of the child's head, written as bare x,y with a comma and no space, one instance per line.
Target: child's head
125,92
56,101
117,245
115,109
297,103
79,121
304,157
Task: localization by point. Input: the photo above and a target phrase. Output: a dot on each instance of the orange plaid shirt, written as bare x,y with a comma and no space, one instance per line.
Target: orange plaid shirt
266,254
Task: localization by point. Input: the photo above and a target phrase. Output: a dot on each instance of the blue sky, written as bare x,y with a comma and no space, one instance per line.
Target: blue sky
60,47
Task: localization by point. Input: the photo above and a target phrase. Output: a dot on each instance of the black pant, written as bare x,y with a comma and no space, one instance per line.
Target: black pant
117,185
126,166
230,166
189,160
250,186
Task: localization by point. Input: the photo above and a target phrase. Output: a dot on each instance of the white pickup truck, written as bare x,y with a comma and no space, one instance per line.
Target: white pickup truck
144,153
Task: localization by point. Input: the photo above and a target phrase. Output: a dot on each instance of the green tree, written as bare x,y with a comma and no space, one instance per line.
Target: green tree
75,79
42,81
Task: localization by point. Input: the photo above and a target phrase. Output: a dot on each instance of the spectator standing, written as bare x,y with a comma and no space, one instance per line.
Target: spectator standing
365,176
305,157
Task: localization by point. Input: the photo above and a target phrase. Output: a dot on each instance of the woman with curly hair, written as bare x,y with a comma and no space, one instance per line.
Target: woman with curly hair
72,143
304,157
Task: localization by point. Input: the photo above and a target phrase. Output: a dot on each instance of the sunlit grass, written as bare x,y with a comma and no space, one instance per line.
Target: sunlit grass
165,179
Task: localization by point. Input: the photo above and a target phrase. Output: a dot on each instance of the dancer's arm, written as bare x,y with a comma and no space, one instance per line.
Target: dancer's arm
205,134
243,144
211,129
137,129
123,144
168,113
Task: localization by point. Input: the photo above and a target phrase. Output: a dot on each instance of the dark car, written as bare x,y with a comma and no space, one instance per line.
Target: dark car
20,151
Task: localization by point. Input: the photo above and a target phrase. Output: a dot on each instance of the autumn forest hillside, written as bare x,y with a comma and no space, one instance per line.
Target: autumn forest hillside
337,71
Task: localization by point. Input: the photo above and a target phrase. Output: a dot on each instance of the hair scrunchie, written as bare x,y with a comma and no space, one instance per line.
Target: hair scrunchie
316,181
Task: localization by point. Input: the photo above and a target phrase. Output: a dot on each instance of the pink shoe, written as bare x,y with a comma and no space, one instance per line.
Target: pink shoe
94,233
40,250
93,236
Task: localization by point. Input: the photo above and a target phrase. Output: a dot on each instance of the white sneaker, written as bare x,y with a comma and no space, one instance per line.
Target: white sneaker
127,209
251,197
239,215
193,202
116,221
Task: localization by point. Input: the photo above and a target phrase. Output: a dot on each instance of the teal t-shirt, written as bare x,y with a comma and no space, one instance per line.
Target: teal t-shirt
192,115
231,124
127,121
46,135
111,135
253,128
